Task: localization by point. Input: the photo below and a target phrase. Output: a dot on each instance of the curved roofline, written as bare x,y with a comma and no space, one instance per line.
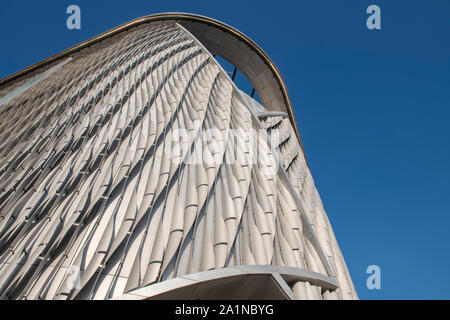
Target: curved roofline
162,17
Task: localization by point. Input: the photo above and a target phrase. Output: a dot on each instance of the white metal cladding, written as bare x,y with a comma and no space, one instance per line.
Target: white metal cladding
89,184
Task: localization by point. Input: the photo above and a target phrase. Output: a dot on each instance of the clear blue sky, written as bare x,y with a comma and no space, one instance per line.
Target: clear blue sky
373,108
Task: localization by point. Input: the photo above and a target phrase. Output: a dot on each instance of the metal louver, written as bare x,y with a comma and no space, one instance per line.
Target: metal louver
109,182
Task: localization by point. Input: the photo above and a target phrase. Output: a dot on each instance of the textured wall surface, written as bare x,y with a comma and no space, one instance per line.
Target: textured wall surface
137,160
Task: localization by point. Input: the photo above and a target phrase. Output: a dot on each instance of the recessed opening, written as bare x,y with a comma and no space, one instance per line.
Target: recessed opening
238,77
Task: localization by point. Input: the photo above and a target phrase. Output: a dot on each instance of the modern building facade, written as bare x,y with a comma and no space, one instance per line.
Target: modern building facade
133,167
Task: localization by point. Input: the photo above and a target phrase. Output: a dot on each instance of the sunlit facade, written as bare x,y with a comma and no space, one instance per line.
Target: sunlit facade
133,167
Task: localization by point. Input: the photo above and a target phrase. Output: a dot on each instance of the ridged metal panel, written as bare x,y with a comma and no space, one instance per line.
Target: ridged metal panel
106,167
